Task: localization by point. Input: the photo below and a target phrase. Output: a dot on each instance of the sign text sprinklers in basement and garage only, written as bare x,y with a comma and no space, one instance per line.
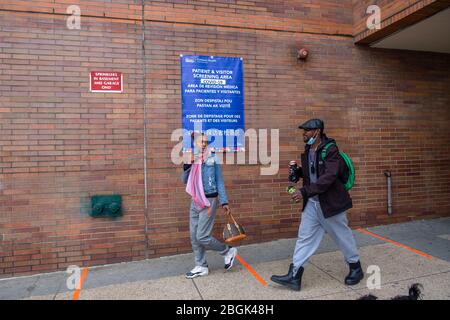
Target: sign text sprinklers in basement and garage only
106,82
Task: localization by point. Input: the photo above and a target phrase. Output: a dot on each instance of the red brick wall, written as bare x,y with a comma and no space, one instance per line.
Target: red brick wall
60,144
388,8
328,16
394,14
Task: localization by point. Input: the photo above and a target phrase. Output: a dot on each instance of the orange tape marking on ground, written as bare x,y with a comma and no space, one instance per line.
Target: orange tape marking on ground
76,294
253,272
395,243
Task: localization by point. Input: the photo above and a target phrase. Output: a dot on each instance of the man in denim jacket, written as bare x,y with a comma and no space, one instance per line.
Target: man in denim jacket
202,219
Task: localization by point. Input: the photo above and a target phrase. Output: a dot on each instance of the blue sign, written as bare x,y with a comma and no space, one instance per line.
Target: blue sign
212,91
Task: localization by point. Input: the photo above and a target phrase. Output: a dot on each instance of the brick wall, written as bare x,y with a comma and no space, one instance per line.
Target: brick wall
60,144
305,16
394,16
388,9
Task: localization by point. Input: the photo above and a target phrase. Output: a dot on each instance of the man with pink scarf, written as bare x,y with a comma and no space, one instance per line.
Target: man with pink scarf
204,183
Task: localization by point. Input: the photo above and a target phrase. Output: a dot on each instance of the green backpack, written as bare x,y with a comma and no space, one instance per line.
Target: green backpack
351,169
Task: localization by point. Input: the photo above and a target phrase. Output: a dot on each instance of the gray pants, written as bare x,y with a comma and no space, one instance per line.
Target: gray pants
312,228
201,224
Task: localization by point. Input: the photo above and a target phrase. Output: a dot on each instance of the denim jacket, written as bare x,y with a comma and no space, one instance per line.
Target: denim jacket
212,178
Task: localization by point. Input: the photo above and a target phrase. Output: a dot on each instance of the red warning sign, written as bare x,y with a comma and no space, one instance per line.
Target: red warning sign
105,81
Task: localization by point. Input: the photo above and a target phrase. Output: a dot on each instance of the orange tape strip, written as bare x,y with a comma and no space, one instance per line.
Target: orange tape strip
395,243
253,272
76,294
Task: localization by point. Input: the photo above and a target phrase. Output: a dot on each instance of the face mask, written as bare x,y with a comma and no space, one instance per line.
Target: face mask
312,140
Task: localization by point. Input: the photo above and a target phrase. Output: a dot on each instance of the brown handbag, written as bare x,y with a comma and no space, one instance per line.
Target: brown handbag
233,231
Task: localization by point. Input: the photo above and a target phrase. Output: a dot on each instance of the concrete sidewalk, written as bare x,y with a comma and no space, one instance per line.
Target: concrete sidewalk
163,278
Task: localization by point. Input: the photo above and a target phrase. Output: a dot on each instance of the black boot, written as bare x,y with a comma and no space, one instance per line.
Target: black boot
355,275
291,280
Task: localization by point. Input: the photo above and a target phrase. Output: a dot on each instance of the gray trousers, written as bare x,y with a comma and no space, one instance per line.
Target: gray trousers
201,223
312,229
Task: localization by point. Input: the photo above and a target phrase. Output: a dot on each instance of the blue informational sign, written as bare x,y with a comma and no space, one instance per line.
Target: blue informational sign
212,90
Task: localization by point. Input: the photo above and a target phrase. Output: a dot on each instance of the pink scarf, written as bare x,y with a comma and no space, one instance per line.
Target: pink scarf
194,186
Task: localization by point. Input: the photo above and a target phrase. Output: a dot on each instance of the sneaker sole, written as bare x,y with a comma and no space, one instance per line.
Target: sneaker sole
196,275
229,266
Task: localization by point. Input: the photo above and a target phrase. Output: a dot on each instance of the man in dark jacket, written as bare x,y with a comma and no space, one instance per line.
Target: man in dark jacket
325,201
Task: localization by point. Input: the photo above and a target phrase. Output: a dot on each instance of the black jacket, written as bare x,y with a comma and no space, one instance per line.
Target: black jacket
333,197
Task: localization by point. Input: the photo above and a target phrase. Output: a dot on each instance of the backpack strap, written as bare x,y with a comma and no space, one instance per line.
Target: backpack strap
324,150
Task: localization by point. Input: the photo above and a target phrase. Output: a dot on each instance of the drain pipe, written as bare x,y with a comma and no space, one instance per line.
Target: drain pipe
388,175
144,91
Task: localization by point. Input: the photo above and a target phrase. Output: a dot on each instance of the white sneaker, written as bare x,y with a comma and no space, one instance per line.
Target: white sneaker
198,271
229,258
